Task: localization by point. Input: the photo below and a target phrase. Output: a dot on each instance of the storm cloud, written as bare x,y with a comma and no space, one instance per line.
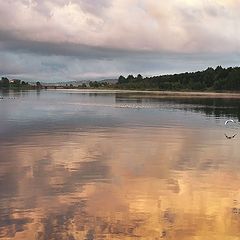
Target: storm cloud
61,40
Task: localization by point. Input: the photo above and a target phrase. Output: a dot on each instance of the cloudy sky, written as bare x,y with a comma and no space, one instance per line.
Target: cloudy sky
63,40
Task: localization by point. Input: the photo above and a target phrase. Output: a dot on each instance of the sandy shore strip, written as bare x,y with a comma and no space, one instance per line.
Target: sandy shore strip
157,94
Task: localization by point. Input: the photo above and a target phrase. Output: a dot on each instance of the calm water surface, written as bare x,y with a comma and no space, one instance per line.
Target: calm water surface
102,165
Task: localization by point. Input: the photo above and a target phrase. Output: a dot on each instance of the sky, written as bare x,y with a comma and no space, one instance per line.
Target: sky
63,40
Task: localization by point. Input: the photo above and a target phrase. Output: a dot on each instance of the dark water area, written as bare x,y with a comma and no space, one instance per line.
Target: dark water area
118,165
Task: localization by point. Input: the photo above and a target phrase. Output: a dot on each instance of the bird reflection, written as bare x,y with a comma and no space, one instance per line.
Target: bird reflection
230,137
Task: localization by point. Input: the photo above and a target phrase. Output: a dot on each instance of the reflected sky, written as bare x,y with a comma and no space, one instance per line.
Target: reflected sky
78,165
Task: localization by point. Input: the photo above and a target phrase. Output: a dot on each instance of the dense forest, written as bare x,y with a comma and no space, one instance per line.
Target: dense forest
218,79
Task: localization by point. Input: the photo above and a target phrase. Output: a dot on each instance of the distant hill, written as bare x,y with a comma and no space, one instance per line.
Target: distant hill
77,83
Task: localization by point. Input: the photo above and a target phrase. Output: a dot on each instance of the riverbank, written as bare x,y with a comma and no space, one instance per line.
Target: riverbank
142,93
159,93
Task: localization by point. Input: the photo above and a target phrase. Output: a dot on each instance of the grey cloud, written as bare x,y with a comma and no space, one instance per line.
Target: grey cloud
11,43
79,39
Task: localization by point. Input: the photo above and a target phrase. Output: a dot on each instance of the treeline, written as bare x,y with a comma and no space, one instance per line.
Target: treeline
5,83
91,84
16,84
96,84
218,79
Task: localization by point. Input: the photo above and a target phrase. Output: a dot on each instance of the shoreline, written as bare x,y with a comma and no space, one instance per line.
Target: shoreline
159,93
145,93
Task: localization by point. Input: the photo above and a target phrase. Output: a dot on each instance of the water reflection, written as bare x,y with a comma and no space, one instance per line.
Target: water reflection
75,171
211,106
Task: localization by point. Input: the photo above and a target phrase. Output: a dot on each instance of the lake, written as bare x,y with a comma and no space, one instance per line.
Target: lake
118,165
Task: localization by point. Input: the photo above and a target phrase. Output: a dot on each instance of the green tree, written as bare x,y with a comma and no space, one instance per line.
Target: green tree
139,77
39,85
130,78
16,83
122,80
5,83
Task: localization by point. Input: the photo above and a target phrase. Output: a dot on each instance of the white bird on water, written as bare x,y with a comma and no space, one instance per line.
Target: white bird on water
228,121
